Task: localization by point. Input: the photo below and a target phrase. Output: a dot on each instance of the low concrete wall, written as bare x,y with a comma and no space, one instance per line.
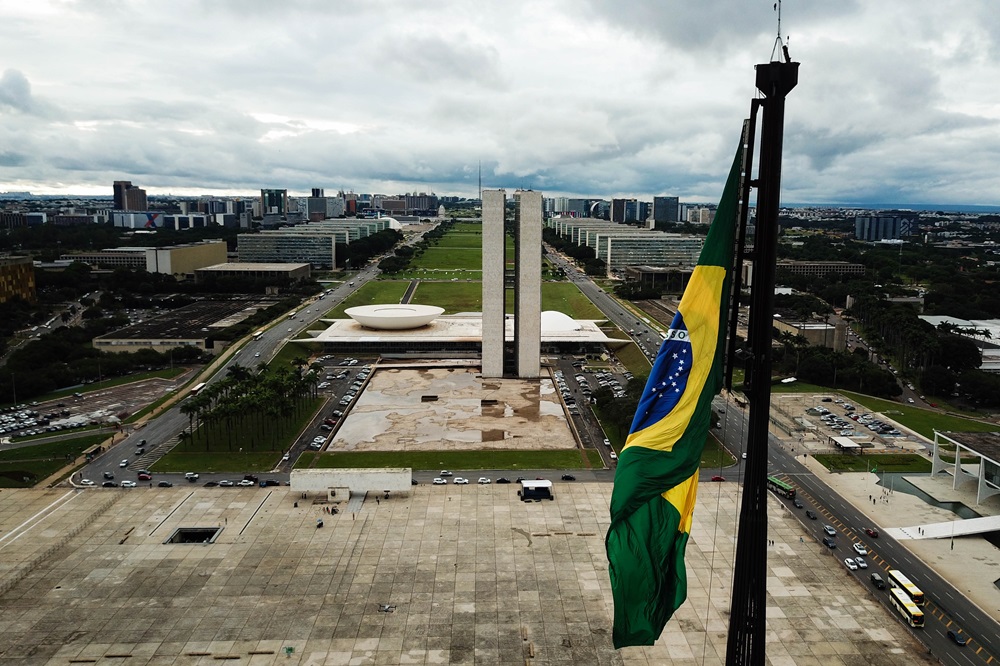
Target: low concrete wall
357,480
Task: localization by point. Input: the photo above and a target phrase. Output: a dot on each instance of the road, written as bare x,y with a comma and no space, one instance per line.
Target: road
946,607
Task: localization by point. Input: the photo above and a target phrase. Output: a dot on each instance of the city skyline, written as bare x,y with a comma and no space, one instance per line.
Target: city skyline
894,102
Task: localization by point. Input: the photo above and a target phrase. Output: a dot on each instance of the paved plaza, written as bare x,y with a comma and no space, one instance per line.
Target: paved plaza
453,409
450,574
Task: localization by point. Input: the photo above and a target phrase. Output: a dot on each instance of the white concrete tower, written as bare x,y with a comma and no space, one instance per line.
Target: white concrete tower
528,284
494,265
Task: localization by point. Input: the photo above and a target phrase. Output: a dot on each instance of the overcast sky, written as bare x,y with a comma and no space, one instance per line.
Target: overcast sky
897,101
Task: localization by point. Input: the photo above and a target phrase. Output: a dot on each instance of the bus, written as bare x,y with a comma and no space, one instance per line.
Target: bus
779,487
197,389
258,335
896,579
906,608
292,315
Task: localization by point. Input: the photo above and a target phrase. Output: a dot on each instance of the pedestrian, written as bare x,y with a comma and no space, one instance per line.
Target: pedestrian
377,501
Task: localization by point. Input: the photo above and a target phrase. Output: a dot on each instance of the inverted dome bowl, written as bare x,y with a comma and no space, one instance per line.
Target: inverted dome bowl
394,317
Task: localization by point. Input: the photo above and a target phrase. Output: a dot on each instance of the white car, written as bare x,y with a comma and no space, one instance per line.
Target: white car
850,564
860,561
87,482
460,481
860,549
246,483
438,481
286,457
483,480
613,455
445,472
128,484
123,463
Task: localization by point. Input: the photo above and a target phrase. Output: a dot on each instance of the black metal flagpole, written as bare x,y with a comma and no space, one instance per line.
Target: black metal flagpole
746,646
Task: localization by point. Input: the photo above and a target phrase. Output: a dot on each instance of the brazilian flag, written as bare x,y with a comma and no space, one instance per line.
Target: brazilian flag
656,482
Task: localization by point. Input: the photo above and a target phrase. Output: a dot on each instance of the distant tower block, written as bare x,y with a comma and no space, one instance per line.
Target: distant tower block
528,284
494,265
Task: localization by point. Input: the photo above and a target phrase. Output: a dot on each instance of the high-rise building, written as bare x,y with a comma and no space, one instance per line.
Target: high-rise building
129,197
522,358
881,227
17,278
274,201
665,209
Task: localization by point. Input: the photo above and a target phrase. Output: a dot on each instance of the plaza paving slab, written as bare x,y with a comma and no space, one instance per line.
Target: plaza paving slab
471,575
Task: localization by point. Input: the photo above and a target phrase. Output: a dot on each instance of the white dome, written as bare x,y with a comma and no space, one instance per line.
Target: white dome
554,321
394,317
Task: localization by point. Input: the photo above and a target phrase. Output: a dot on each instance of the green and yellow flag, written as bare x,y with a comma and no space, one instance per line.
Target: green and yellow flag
656,482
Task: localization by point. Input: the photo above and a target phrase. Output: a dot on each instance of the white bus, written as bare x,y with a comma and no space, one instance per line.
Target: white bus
896,579
258,335
906,608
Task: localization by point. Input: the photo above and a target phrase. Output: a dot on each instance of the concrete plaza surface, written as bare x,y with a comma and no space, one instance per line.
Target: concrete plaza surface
470,575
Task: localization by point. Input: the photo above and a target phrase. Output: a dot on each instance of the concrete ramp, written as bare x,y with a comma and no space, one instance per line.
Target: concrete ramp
946,530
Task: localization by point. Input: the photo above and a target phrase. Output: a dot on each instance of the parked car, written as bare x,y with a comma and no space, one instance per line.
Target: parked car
568,477
145,477
225,483
165,484
460,481
860,561
269,482
829,529
503,479
191,476
850,564
438,481
718,478
87,482
109,484
246,483
482,480
128,484
878,581
829,543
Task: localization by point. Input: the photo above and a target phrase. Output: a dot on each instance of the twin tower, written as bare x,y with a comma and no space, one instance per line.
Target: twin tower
520,354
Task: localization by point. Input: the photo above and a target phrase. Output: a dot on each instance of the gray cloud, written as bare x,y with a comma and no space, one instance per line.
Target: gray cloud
895,99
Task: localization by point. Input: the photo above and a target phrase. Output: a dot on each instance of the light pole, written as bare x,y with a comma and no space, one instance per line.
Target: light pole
13,388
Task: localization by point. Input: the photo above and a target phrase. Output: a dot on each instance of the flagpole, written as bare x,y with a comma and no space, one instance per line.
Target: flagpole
746,642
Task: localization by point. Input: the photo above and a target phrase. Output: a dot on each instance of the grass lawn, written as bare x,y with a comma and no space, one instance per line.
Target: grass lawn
288,353
633,359
460,239
449,258
715,455
452,296
371,293
41,461
216,449
924,421
567,298
458,460
883,462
